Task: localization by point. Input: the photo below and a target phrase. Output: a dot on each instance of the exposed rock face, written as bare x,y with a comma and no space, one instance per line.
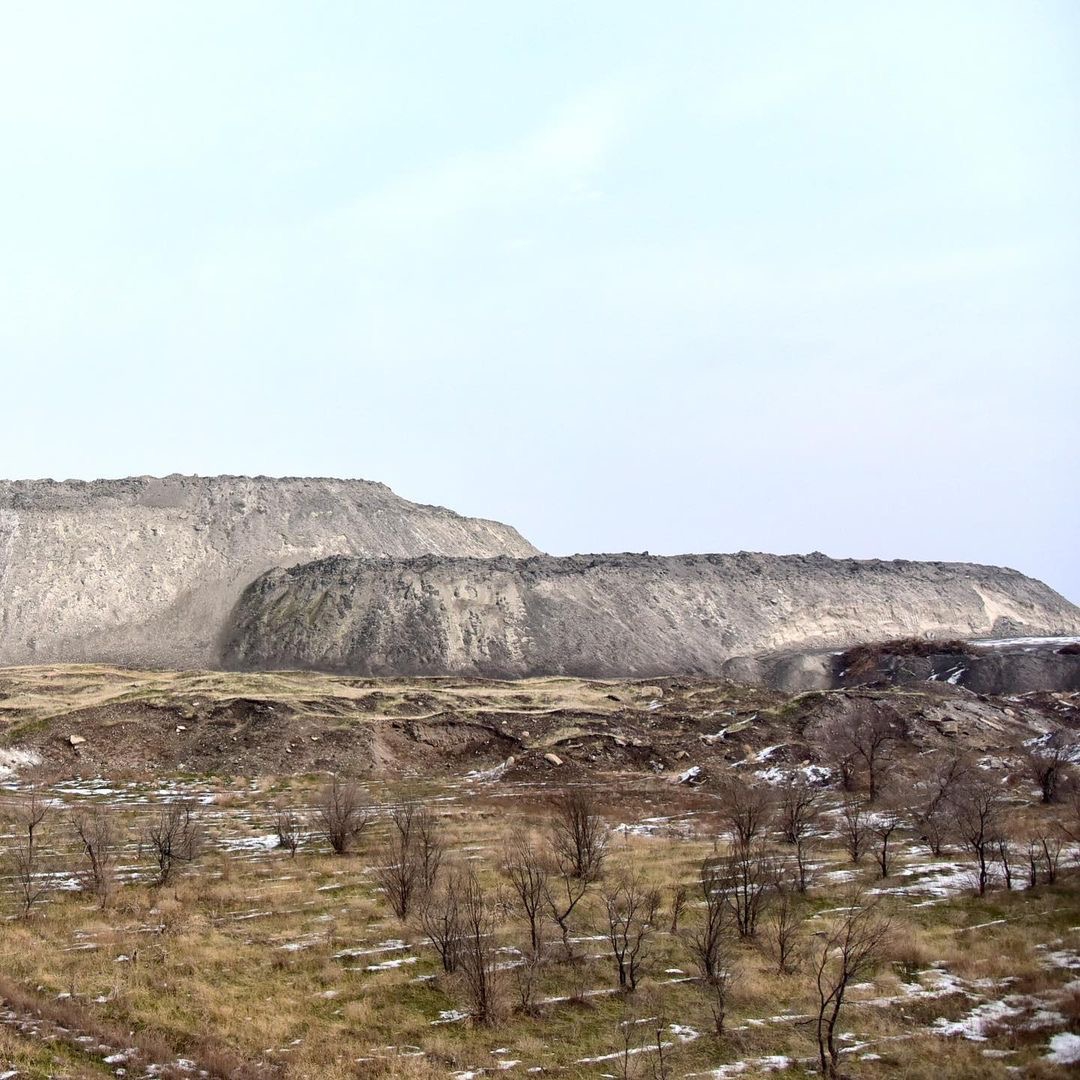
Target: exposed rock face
146,570
1017,666
614,615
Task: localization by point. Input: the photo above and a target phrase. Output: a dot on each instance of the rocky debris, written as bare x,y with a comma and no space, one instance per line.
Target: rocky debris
601,616
1001,667
144,571
559,730
75,740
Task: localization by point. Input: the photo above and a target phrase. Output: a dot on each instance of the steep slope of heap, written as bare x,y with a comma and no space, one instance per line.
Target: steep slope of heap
145,571
615,615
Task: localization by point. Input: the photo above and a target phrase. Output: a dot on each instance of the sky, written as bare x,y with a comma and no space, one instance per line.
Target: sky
630,276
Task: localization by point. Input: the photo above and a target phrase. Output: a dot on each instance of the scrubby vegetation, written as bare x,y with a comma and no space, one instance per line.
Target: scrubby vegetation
864,661
847,926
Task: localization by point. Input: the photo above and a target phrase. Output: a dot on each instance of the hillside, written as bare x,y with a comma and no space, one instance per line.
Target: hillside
144,571
93,720
615,615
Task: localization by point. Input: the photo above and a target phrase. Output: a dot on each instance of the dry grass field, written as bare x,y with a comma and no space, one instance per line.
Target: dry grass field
194,943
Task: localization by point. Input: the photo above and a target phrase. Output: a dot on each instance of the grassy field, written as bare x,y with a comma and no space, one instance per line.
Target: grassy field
250,962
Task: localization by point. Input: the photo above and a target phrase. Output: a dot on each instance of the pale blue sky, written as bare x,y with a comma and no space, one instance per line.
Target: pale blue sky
676,277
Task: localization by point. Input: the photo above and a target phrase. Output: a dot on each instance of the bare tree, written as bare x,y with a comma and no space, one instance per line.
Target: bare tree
745,809
864,737
883,825
430,846
930,807
579,837
850,949
853,826
478,956
563,892
704,939
440,918
631,909
175,838
528,875
399,877
1048,760
784,929
289,825
680,893
749,873
341,815
99,843
1033,853
710,941
29,883
800,821
1051,848
1004,850
402,873
976,806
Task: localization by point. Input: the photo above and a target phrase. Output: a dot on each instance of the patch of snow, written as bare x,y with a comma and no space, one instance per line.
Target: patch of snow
684,1033
11,761
389,965
650,1049
1064,1049
450,1016
770,1063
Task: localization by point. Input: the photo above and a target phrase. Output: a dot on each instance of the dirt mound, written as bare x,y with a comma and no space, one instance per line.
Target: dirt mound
145,570
81,722
602,616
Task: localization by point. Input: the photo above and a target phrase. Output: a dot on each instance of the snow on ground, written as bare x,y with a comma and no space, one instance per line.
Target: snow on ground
1064,1049
11,761
1024,642
768,1064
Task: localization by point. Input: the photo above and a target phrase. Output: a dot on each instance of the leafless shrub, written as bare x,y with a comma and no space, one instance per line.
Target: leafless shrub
528,874
478,957
864,737
800,812
749,873
783,929
854,826
175,838
709,938
976,806
410,858
430,847
1052,847
527,983
631,909
341,815
398,878
930,807
563,892
99,842
627,1061
1048,761
579,837
1003,848
440,918
289,826
659,1067
680,893
745,809
29,884
850,949
1033,854
883,825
